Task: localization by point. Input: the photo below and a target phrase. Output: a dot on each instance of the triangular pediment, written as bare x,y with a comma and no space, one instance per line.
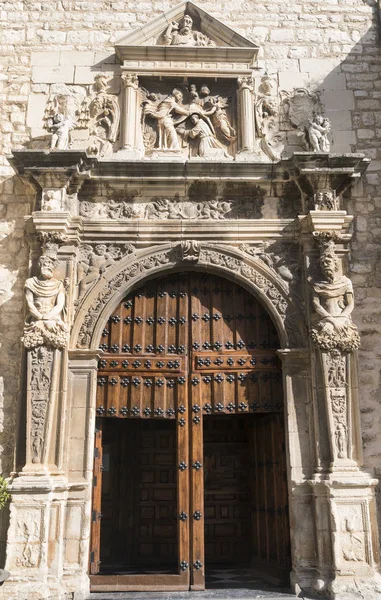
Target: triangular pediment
209,28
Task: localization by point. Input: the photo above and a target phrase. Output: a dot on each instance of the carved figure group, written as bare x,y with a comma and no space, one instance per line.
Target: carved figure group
205,123
316,134
183,34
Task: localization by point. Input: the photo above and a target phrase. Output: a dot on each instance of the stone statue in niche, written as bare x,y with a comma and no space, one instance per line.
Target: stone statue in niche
207,131
183,34
333,304
45,296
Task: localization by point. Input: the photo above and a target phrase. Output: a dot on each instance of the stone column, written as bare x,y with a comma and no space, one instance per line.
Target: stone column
130,117
344,503
246,118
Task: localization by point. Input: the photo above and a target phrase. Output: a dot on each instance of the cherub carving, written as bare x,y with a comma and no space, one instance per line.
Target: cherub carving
92,264
316,133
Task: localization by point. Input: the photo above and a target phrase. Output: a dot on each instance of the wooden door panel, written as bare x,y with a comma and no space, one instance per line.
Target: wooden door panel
183,348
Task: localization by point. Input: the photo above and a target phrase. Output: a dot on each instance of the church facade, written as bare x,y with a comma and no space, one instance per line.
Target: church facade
190,300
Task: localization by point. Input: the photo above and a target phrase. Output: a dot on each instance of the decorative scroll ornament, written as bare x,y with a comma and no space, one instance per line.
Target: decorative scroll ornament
333,303
45,296
183,34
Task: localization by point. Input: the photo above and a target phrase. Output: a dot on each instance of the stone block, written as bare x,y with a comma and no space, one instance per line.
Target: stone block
342,141
47,59
85,74
320,68
291,81
340,119
77,58
35,111
60,74
338,100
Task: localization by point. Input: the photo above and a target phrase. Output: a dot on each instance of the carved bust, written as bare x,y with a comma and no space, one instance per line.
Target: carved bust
333,303
45,297
183,34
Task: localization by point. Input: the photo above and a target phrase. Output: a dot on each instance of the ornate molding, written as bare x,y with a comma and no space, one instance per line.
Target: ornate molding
247,271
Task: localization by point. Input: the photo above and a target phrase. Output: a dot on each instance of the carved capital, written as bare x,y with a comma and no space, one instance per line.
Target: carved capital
130,80
246,83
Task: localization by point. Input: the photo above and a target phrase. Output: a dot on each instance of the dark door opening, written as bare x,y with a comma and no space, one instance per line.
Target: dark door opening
246,505
139,497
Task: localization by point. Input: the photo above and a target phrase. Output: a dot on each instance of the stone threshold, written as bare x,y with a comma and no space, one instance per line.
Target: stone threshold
226,594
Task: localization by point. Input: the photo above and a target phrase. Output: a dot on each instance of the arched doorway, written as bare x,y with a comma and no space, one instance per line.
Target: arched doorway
190,468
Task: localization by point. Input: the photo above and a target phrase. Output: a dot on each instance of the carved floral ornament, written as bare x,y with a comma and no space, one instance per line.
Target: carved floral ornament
252,273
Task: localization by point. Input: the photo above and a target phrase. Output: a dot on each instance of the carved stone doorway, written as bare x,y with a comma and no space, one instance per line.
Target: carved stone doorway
189,404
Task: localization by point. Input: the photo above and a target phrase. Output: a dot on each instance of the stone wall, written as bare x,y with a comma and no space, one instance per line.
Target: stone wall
330,46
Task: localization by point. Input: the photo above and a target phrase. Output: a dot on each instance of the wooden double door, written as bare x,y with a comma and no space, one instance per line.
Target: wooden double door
189,467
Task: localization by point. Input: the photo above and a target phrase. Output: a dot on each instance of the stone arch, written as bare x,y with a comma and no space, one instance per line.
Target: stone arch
249,272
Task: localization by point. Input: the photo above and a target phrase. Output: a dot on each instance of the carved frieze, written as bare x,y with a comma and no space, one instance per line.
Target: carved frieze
170,208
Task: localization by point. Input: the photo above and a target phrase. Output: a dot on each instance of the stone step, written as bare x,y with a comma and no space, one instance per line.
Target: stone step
226,594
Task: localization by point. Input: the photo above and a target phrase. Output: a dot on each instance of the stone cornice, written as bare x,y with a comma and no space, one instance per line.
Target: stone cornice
340,169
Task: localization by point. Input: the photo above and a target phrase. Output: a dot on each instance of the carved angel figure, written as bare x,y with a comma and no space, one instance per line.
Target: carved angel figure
333,303
45,298
164,113
215,107
183,34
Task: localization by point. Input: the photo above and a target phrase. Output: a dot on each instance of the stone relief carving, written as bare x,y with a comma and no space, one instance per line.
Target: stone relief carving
170,208
100,112
183,34
77,107
45,296
40,379
326,200
190,251
335,374
206,256
206,129
93,262
28,532
333,304
267,118
353,541
302,112
282,258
